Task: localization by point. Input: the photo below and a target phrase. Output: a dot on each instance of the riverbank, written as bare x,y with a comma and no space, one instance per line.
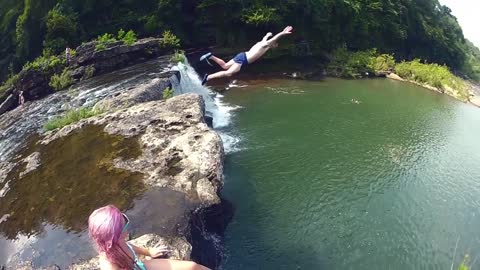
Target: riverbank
474,93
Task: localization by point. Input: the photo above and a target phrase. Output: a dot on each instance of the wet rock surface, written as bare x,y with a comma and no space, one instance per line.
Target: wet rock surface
179,150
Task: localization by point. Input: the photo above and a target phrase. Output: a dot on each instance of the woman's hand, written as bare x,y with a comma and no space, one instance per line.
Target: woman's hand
159,251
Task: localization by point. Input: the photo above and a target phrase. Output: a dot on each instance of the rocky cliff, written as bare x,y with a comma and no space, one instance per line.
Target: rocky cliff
87,62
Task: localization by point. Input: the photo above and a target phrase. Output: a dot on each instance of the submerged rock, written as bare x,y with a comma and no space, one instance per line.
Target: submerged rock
32,163
34,84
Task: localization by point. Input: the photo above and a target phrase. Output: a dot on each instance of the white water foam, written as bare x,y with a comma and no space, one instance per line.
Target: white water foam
221,112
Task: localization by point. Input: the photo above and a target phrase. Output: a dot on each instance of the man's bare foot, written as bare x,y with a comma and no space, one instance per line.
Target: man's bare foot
269,35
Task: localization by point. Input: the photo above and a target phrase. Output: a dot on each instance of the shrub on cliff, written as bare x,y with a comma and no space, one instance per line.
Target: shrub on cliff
71,117
167,93
178,56
47,63
128,38
104,40
61,81
169,40
10,82
433,75
382,63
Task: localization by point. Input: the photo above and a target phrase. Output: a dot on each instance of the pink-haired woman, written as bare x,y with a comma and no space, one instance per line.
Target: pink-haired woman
108,229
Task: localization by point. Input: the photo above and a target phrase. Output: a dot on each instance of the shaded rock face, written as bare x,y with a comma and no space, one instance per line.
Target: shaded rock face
34,84
9,103
116,56
147,92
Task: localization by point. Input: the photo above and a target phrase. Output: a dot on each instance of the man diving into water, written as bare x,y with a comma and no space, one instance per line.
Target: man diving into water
244,58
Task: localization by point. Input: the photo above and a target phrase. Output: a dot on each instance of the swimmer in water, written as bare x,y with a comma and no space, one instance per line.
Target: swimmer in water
244,58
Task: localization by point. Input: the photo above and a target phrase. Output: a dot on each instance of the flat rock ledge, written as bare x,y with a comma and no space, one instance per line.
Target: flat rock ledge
179,150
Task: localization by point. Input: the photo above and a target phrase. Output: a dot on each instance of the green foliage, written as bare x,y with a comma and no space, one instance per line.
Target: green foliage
21,30
89,72
61,81
465,264
349,64
10,82
178,56
261,15
167,93
47,63
433,75
61,29
407,29
71,117
104,40
128,38
382,63
169,40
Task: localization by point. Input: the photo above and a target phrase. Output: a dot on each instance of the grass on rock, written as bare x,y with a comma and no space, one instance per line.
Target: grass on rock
71,117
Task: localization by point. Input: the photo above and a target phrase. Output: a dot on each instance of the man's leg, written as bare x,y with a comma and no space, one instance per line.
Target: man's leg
227,73
221,63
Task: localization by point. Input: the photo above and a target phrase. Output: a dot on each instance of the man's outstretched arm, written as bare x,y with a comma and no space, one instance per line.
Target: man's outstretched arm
287,31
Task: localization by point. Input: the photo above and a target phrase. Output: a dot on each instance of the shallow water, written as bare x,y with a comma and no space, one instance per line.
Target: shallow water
335,174
53,202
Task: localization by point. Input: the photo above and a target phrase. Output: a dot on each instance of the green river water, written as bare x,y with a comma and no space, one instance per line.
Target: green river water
320,182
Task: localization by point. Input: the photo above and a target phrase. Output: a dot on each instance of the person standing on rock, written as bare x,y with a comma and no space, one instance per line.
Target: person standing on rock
244,58
67,55
21,99
108,228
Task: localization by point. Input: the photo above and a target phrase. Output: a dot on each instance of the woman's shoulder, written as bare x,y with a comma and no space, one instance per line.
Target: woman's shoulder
104,264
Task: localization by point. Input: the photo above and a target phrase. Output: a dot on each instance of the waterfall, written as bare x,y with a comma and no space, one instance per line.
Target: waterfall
190,83
221,112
